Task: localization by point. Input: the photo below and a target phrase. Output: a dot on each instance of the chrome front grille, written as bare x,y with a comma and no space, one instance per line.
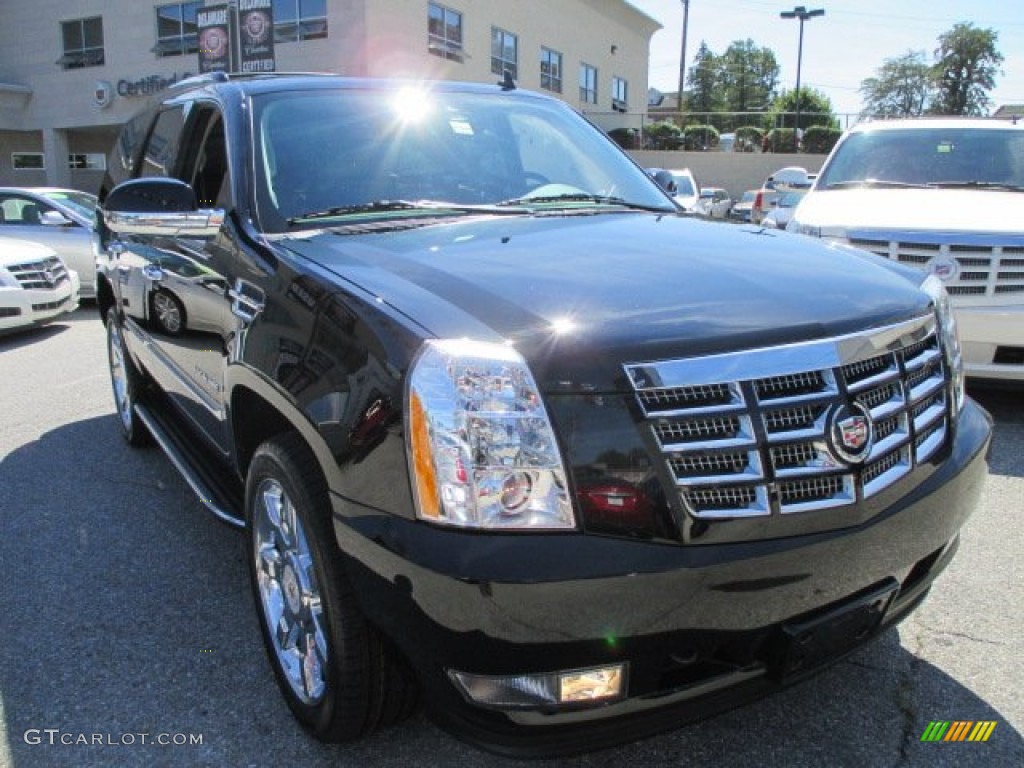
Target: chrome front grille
45,273
983,267
756,433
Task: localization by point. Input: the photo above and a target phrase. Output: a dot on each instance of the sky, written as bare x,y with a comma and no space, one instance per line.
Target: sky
842,48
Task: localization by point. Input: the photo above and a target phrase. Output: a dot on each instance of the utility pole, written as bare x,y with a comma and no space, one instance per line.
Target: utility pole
682,57
800,12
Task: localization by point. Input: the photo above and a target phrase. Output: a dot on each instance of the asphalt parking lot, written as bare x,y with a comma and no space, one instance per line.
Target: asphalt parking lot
129,636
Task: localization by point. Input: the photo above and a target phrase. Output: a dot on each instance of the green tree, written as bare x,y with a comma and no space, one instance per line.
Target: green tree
966,65
703,79
902,87
815,109
749,76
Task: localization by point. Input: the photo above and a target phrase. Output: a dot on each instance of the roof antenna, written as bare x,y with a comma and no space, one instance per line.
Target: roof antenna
507,83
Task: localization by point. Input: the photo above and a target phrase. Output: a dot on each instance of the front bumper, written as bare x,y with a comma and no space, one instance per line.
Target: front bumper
992,340
700,627
21,309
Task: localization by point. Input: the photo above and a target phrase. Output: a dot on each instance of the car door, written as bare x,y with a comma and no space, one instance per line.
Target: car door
178,294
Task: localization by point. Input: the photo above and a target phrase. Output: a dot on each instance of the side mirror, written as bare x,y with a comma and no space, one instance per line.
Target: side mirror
159,206
54,219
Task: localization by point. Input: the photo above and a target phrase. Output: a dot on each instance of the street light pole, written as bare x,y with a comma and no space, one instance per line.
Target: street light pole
800,12
682,58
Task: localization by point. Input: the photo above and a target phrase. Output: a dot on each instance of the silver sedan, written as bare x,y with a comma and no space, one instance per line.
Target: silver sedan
60,219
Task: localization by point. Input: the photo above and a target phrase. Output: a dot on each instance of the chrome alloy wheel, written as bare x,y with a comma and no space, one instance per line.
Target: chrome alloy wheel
119,376
289,593
168,312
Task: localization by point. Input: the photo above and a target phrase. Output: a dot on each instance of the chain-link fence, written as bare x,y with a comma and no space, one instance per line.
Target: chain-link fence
726,131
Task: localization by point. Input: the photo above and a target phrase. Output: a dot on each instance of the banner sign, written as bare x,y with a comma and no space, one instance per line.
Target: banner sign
214,38
256,35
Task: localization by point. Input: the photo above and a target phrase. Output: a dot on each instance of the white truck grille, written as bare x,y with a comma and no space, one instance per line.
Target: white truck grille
756,433
42,274
983,266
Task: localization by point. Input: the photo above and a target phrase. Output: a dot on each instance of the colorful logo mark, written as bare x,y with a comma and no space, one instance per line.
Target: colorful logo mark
958,730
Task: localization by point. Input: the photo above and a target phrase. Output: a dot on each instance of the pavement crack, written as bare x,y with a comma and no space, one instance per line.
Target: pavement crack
964,635
905,693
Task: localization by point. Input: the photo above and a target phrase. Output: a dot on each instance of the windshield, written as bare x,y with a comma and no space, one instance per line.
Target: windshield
81,203
684,186
928,155
336,154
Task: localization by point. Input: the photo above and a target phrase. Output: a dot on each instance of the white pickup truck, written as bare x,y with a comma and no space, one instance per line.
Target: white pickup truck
945,195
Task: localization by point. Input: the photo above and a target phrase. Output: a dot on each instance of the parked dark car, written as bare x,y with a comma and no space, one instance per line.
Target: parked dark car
507,430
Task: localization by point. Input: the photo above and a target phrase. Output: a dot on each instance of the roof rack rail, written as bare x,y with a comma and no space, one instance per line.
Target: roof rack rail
226,77
194,80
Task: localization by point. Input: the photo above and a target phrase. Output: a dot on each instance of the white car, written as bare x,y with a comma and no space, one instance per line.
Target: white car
35,285
784,179
686,187
61,219
780,216
714,202
946,196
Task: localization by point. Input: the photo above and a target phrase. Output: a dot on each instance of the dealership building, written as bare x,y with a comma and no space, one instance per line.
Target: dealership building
72,71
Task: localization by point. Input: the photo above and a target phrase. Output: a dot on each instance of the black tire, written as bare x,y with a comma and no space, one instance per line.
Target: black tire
331,666
127,383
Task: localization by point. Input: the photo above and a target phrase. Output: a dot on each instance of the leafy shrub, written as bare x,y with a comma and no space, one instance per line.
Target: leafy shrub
819,139
779,140
700,137
749,138
663,135
624,137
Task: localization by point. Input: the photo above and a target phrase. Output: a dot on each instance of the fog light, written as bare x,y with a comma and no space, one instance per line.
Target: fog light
575,687
515,491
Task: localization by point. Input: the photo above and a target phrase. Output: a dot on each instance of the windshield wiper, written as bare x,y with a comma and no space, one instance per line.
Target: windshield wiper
856,183
385,206
977,185
584,197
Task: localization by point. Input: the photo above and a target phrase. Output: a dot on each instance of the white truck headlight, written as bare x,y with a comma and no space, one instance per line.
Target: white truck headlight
482,452
948,336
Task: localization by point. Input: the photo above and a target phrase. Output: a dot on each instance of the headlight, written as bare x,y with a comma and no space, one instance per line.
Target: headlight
482,453
7,279
948,336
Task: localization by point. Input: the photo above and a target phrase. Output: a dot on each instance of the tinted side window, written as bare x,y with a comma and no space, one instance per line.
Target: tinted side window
15,209
161,152
204,164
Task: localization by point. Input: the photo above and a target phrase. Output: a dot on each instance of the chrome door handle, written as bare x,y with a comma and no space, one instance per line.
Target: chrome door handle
246,300
153,272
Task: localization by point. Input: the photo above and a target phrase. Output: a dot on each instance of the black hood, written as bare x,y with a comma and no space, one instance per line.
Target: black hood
579,295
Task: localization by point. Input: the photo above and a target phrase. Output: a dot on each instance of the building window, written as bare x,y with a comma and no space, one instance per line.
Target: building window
504,53
444,32
83,43
28,161
550,70
87,161
588,84
620,93
299,20
176,31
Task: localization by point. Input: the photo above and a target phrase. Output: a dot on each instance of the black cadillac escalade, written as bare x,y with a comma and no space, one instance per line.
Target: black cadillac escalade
503,428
